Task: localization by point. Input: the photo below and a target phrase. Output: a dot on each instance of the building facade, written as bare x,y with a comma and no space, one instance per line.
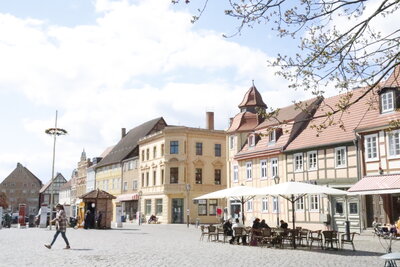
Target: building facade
47,189
178,164
22,187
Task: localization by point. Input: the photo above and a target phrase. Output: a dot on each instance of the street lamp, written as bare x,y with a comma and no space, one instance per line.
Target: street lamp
276,181
140,193
187,207
54,132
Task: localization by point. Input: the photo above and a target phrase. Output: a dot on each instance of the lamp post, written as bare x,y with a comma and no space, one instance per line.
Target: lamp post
140,193
276,181
187,207
54,132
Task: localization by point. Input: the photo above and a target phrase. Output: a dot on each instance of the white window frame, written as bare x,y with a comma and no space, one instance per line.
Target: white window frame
231,141
263,169
299,204
297,164
342,165
391,149
272,136
310,165
249,206
314,203
387,105
264,205
369,145
249,170
274,167
252,140
236,174
275,205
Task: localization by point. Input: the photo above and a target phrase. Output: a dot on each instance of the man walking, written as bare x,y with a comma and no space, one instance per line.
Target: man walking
61,226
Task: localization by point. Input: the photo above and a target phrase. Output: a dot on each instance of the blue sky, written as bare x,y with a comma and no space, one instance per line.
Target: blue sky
107,64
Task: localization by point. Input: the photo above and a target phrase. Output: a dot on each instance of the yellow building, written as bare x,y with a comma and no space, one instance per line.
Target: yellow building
112,172
178,164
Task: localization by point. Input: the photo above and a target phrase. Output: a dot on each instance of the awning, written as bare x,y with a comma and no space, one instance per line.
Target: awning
377,185
127,197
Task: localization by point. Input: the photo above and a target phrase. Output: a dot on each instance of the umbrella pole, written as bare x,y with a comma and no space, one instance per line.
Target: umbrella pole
243,210
294,226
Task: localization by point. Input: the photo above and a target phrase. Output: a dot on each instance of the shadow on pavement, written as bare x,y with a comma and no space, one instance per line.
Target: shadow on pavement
81,249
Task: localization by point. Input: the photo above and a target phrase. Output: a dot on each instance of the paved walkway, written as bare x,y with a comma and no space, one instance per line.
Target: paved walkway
169,245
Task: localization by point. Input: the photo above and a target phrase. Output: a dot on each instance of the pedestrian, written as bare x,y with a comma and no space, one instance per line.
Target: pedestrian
86,223
98,220
61,226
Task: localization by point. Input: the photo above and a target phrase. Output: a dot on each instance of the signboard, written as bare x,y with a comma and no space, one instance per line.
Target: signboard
21,216
118,215
43,216
1,217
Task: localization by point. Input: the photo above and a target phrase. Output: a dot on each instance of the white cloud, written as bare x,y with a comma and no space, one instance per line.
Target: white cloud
137,62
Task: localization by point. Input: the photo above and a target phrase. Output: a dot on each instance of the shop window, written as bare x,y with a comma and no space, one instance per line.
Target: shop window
202,207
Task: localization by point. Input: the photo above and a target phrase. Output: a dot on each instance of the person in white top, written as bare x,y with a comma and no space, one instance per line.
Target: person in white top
238,224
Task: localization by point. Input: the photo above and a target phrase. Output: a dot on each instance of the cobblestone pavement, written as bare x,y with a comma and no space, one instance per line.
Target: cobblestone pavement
169,245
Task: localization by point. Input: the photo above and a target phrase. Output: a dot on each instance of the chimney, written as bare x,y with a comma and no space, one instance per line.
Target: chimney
209,120
123,132
230,121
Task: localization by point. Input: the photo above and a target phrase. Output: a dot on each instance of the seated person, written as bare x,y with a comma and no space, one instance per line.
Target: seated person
235,225
256,224
263,224
284,224
228,228
375,222
152,218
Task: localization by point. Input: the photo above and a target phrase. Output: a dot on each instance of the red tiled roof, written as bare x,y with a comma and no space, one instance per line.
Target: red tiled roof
252,98
378,182
244,121
334,134
394,78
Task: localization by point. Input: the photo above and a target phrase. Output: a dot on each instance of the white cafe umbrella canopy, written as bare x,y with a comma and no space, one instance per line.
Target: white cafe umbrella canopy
292,191
242,193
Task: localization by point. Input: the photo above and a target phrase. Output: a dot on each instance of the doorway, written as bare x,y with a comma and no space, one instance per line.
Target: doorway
236,210
369,206
177,210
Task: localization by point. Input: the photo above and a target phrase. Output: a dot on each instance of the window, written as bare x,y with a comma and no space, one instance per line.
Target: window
263,164
217,150
199,176
394,143
235,174
142,179
231,141
143,155
134,185
300,204
251,140
249,206
314,202
353,208
199,149
340,157
274,167
275,205
202,207
371,147
264,205
147,204
162,150
339,208
162,176
147,178
312,157
154,152
212,205
217,176
173,175
114,185
159,206
298,162
387,101
272,136
174,147
125,186
154,177
147,154
249,170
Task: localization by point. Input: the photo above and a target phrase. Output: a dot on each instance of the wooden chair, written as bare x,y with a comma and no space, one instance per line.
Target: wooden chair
267,235
344,240
220,231
330,237
303,236
256,237
239,233
212,232
204,231
315,236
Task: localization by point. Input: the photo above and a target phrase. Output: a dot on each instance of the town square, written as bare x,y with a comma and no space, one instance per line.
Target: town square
200,133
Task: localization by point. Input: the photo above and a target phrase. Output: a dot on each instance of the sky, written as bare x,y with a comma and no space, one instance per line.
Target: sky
111,64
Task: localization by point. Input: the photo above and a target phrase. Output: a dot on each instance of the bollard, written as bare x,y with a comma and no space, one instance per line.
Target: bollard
347,223
197,222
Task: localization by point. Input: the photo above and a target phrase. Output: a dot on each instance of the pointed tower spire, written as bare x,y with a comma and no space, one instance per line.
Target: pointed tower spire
251,100
83,155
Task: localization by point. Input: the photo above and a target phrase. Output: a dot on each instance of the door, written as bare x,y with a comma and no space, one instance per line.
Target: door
177,210
369,206
235,210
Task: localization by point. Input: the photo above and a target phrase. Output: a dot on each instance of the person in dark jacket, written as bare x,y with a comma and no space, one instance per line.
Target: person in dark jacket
263,224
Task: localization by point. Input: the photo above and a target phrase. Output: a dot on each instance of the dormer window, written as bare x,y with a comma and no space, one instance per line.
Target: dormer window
272,136
387,101
252,140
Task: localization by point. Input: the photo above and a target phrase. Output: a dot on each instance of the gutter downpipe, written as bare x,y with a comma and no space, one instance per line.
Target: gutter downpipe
360,198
